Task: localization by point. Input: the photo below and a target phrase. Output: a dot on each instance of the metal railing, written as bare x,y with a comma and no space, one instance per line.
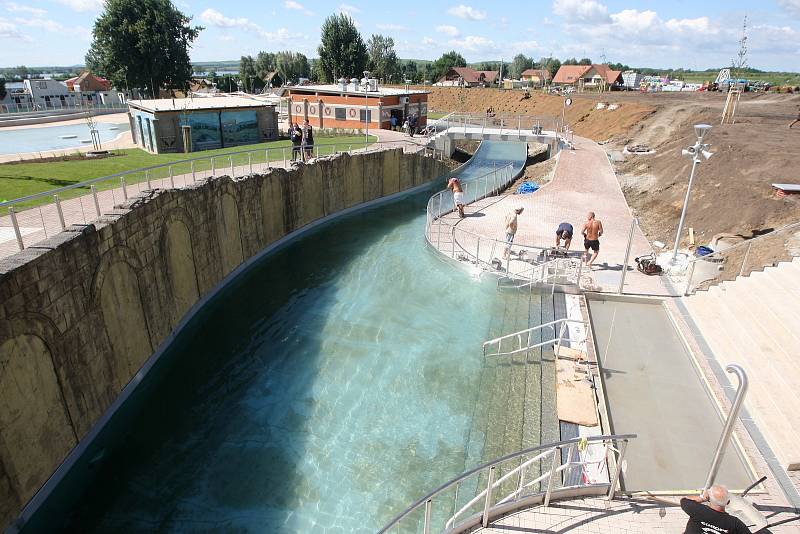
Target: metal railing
526,340
781,244
506,123
538,475
57,105
41,215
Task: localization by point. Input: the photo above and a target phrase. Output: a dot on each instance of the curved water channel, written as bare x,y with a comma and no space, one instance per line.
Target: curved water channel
323,390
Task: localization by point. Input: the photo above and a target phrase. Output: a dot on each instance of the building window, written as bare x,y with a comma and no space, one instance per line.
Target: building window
368,114
341,114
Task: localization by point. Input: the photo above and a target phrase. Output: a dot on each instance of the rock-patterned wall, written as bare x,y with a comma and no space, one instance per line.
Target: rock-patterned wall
81,312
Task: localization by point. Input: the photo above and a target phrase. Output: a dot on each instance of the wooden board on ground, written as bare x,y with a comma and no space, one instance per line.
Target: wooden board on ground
571,354
574,398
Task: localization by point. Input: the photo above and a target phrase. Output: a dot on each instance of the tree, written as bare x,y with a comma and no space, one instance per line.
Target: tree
3,91
265,63
292,65
382,62
585,61
552,65
140,43
446,62
247,71
570,61
342,52
519,64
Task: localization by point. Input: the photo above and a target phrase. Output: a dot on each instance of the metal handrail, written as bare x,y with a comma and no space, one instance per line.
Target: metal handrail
527,332
541,451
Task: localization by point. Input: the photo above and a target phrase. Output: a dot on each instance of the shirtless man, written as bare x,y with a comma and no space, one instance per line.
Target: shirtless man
458,195
511,230
592,231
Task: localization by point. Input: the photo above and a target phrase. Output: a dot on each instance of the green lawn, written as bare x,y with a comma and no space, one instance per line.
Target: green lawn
437,114
24,179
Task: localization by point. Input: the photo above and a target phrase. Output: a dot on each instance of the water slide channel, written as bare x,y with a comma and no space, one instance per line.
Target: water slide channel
322,390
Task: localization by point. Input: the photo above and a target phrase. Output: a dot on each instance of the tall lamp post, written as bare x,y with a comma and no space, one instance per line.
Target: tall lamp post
366,109
697,152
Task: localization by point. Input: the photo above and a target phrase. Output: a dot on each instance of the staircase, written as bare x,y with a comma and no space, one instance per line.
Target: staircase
755,321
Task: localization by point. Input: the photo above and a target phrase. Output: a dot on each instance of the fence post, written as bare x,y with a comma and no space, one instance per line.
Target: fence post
194,177
171,178
17,233
250,162
147,179
620,458
266,157
230,159
426,528
634,222
284,157
60,212
96,202
212,166
488,501
553,467
124,187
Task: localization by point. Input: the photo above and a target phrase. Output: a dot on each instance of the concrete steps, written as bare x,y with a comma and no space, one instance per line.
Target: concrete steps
754,321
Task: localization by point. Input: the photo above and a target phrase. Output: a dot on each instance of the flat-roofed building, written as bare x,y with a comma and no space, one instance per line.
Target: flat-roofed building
353,105
192,124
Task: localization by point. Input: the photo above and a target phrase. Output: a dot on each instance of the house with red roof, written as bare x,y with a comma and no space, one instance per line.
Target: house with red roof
599,77
535,77
86,81
467,77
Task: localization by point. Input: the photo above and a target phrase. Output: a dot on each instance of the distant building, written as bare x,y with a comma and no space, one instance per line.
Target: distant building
599,77
535,77
86,81
490,77
192,124
349,105
463,77
632,80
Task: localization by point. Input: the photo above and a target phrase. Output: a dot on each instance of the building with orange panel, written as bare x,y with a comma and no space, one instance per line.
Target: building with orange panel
354,104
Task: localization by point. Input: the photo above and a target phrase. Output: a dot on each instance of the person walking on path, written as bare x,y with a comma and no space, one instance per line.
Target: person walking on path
707,513
511,230
592,230
564,232
458,195
308,138
296,136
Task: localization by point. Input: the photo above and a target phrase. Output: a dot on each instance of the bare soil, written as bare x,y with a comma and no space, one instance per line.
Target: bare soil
732,191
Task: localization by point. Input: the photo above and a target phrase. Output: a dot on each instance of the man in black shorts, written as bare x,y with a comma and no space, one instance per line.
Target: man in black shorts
564,232
592,231
711,518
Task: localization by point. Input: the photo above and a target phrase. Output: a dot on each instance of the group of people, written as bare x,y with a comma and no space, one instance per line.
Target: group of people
302,141
409,125
592,230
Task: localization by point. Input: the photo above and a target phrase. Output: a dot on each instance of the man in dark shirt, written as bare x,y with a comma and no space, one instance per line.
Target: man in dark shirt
711,518
564,232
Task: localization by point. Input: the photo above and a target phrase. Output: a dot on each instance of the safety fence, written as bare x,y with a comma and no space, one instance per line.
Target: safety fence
36,217
56,105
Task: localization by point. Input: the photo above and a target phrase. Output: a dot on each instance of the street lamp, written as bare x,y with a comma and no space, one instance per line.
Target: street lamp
365,83
697,152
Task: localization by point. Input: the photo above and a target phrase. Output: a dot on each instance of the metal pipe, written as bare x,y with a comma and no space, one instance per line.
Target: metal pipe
553,467
634,222
194,176
284,157
426,528
689,278
124,188
612,490
746,256
212,166
488,501
230,159
96,202
171,178
695,161
147,179
727,430
250,163
17,233
60,212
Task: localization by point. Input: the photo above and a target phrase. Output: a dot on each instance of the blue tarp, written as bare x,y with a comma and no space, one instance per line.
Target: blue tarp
527,187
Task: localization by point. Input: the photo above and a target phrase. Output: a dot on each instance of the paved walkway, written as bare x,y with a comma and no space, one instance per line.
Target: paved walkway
40,222
583,180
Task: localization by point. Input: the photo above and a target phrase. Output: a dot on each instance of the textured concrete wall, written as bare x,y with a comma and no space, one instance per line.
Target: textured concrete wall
81,312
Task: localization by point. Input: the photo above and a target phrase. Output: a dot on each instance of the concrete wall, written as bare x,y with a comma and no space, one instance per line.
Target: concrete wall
81,312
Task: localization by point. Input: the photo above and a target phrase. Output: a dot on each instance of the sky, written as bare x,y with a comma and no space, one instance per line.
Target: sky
675,33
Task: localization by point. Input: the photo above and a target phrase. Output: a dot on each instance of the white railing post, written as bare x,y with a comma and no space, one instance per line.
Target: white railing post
171,178
147,179
96,202
230,159
688,289
426,528
634,222
58,210
727,430
212,167
250,162
553,467
266,157
194,176
124,187
15,224
746,256
487,503
612,490
284,157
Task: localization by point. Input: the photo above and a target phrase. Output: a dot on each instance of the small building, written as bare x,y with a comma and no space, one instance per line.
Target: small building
599,77
52,94
462,77
535,77
632,80
353,104
193,124
86,81
489,77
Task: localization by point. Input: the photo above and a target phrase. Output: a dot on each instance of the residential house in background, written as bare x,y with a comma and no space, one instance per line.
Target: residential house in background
87,82
535,77
462,77
588,77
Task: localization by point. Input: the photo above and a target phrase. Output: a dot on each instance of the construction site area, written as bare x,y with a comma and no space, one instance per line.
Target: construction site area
644,133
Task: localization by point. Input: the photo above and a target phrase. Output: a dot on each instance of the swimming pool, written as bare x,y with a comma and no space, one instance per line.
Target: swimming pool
324,389
21,141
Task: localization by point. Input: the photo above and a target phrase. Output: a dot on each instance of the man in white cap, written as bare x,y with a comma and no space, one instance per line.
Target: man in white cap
511,230
707,513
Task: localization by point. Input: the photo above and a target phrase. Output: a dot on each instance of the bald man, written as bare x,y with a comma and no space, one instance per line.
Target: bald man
707,513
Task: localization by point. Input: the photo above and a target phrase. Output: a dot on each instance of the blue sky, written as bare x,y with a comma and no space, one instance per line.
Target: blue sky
692,34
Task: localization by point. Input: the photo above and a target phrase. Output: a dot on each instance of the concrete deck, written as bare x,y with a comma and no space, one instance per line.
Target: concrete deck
583,181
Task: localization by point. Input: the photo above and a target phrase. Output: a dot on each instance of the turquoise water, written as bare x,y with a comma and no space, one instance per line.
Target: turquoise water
49,137
324,390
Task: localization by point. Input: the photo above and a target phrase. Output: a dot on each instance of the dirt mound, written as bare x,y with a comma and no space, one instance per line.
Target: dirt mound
583,115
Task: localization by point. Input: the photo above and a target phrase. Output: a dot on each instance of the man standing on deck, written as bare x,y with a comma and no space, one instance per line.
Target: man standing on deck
458,195
511,230
592,231
711,518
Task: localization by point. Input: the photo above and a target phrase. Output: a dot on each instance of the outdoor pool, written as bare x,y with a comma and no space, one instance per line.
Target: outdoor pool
41,139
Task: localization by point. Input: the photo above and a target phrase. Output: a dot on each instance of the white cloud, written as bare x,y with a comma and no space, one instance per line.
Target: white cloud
452,31
83,5
291,4
9,30
791,6
212,17
473,43
525,46
13,7
347,9
226,38
428,41
467,12
391,27
44,24
580,10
